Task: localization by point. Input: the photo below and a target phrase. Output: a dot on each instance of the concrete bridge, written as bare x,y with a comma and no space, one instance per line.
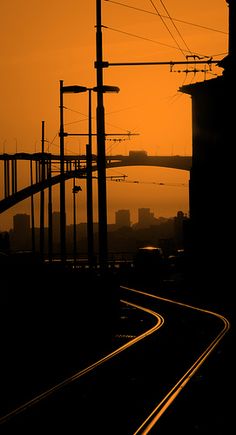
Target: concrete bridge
141,158
43,177
135,158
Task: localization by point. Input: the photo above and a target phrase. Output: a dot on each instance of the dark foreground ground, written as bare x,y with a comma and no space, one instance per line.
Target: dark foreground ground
55,322
206,405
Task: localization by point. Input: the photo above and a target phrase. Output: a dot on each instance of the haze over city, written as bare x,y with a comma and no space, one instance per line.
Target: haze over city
115,240
44,42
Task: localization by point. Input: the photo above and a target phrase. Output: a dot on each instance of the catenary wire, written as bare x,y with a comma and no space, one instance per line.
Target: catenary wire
174,25
148,39
167,28
175,19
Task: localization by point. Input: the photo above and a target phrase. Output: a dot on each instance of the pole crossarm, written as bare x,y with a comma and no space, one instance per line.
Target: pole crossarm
171,63
106,134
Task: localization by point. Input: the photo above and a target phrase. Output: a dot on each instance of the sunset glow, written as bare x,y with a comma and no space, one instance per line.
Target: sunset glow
43,42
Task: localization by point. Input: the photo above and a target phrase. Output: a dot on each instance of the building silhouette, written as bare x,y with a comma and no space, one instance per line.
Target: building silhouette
179,221
122,218
20,236
56,230
145,218
123,237
21,223
211,176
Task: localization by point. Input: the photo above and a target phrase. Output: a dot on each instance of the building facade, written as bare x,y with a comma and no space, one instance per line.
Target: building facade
211,177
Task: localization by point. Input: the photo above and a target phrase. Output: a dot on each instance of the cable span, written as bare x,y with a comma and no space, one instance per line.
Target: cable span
176,28
174,19
167,28
145,39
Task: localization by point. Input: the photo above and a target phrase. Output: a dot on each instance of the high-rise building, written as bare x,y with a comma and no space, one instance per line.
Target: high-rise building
56,227
21,223
145,218
21,235
122,218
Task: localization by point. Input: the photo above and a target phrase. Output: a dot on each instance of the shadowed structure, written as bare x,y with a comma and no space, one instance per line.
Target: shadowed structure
211,175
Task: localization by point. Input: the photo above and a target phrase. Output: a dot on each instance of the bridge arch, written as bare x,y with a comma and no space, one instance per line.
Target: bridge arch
118,161
33,189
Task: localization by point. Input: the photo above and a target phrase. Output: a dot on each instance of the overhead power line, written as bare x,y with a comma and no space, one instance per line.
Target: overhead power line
168,29
147,39
176,28
165,16
122,179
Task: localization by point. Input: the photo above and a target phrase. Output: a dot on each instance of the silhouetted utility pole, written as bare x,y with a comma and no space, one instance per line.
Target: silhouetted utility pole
41,237
75,190
74,223
32,210
50,240
101,153
101,89
62,182
90,186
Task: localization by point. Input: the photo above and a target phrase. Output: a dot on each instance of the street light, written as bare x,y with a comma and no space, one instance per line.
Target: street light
75,89
80,89
64,89
75,190
62,182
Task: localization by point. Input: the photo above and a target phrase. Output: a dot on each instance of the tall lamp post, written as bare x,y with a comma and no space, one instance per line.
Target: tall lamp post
101,152
89,185
62,182
79,89
41,233
75,190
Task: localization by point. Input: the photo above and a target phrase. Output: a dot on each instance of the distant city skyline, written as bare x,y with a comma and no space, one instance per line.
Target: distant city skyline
141,189
158,113
123,236
139,214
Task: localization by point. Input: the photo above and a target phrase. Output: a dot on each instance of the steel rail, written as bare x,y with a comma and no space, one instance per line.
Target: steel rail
76,376
162,406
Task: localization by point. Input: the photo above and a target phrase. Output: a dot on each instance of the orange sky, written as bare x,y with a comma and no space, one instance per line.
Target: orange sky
45,41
